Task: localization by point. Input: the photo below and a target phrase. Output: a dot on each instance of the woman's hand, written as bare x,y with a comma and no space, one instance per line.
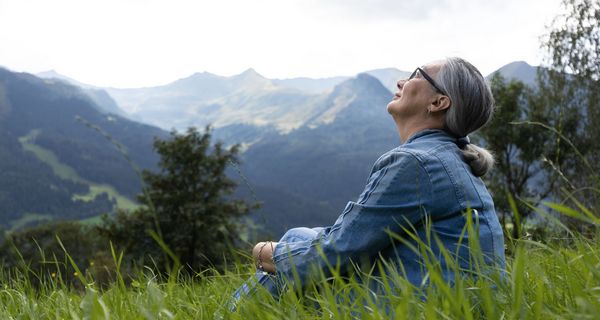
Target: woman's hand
263,254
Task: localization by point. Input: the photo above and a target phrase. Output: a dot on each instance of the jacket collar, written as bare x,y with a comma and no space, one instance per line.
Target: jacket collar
431,134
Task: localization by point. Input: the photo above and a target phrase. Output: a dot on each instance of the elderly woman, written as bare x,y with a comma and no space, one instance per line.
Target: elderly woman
427,184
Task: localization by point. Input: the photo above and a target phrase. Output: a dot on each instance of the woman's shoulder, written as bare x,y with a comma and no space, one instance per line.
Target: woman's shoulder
401,157
434,159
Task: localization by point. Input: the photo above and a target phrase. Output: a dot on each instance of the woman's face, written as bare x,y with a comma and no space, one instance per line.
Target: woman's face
414,95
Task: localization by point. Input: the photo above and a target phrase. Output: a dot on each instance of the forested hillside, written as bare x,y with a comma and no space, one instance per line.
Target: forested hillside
52,165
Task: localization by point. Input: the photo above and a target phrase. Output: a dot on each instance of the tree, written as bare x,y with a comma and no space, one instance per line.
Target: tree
546,138
573,43
186,203
569,86
517,148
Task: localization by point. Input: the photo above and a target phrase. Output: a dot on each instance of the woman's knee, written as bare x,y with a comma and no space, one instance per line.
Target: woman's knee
299,234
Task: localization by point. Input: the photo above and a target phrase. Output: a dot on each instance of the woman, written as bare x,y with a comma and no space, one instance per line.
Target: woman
427,184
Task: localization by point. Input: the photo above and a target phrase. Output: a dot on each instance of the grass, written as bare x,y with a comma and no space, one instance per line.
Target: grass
559,279
65,172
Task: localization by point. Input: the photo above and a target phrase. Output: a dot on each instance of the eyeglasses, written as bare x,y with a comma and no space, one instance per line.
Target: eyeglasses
428,78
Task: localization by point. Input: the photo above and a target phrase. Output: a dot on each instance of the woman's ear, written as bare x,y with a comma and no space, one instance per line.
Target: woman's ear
440,103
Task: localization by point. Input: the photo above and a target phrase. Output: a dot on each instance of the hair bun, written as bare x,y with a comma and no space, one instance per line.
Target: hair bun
479,159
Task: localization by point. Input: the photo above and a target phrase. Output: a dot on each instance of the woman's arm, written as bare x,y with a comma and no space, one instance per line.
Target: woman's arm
263,251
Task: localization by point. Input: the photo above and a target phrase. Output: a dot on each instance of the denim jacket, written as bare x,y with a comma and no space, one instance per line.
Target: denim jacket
421,185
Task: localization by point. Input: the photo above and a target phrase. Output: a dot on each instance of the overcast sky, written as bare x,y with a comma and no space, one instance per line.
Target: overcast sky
132,43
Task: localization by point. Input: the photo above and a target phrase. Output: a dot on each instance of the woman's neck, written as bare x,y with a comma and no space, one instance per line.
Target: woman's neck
408,128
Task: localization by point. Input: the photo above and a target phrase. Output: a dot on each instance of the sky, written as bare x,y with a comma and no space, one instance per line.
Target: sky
136,43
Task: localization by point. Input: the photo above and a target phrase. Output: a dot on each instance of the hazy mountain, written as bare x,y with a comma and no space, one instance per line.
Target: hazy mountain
201,99
52,166
389,77
192,90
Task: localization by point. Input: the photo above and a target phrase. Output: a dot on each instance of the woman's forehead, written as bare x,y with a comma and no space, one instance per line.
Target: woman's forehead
433,66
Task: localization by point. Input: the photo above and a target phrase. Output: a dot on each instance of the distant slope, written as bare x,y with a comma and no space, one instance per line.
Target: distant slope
101,99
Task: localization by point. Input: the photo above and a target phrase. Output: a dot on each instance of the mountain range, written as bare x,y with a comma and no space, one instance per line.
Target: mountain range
308,144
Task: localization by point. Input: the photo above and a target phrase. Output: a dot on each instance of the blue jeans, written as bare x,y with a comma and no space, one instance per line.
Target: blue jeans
271,282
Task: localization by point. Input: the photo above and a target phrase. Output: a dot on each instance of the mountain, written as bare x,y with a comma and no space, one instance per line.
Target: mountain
518,70
100,98
53,163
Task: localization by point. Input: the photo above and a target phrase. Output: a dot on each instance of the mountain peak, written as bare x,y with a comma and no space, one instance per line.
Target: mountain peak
518,64
203,74
49,73
520,70
363,76
363,82
251,80
250,72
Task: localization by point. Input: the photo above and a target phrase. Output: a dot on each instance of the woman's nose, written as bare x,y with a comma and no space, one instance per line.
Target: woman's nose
400,83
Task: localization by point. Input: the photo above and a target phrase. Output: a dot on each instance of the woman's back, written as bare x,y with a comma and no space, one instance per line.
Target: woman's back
433,192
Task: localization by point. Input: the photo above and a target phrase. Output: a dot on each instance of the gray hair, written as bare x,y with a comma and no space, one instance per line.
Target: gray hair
472,107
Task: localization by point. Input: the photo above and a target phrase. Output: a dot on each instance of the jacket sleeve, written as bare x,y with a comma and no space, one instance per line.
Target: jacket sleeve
393,199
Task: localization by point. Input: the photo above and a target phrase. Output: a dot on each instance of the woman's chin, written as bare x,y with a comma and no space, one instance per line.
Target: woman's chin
391,106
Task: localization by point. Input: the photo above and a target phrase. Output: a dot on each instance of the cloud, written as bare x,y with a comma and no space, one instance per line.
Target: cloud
150,42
